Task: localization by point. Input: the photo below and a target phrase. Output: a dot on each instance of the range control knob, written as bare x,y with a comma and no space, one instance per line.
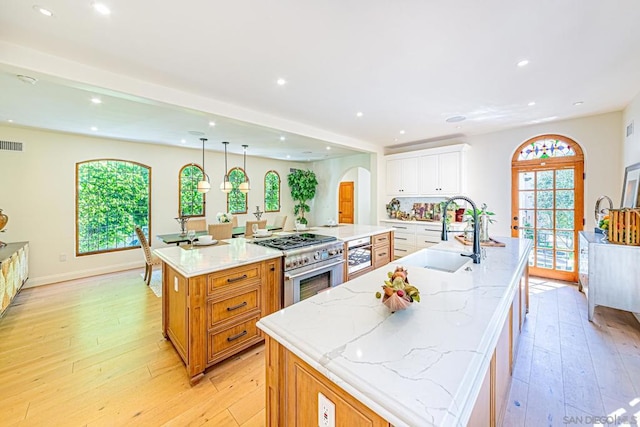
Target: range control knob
305,260
333,251
295,261
316,255
287,263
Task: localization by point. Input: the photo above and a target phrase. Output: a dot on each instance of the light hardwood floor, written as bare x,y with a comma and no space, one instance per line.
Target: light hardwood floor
90,352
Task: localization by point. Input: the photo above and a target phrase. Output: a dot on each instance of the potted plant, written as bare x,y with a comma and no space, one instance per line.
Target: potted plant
484,217
303,185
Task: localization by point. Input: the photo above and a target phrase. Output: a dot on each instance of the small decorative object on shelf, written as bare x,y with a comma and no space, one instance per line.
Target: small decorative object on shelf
258,213
397,293
624,226
182,220
224,217
393,207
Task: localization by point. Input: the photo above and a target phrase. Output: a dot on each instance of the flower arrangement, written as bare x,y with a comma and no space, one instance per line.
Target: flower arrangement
604,223
224,217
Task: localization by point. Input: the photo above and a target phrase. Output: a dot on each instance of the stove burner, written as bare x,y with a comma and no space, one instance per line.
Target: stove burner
294,241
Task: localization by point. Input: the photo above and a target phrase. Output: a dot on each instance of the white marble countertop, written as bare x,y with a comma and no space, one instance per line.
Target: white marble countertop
347,232
421,366
207,259
454,226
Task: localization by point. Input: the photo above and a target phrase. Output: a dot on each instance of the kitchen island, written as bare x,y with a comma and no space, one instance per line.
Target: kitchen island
212,297
444,361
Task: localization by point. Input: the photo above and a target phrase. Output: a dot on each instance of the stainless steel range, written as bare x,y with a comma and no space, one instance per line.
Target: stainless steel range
312,263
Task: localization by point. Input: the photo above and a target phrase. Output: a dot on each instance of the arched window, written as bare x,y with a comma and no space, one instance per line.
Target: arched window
272,192
113,197
190,202
236,201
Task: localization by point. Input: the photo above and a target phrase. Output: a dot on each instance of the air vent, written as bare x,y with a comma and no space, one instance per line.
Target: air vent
629,129
11,146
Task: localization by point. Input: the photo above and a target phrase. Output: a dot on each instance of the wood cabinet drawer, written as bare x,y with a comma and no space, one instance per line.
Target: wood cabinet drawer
221,343
239,276
381,256
381,239
233,305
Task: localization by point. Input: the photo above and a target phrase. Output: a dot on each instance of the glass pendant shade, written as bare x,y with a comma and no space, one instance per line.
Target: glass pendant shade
203,186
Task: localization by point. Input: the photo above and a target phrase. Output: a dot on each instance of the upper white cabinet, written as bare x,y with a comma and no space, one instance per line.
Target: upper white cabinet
433,172
401,176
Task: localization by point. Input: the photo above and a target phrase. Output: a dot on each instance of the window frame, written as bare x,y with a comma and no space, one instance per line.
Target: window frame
279,191
204,195
77,200
235,188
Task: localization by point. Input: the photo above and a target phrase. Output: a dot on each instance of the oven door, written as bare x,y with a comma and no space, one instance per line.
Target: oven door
304,283
359,254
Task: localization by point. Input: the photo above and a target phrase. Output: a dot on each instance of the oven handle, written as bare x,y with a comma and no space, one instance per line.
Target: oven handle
290,276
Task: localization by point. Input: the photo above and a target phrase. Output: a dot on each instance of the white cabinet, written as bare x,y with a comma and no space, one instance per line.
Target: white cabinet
434,172
410,236
609,273
401,176
440,174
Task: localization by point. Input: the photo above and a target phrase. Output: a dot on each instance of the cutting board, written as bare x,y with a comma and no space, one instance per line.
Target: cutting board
460,238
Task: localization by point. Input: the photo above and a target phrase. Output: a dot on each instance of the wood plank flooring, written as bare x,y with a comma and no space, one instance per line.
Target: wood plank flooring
91,352
567,367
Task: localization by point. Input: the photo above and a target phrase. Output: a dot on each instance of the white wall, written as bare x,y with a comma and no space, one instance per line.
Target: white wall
38,194
632,143
489,164
329,174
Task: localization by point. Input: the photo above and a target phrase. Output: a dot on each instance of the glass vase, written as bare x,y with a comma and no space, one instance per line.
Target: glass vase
484,228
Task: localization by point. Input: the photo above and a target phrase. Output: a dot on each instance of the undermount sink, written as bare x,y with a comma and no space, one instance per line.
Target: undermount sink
446,261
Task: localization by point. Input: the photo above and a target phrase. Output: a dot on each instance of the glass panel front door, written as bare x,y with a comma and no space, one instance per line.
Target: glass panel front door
547,215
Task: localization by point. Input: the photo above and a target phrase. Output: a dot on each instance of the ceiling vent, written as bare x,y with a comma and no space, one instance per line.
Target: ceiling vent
11,146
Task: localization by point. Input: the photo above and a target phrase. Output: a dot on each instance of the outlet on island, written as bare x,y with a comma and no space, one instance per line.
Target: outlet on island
326,412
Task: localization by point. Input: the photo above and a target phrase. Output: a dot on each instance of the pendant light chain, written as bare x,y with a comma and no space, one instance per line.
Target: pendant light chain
245,186
203,186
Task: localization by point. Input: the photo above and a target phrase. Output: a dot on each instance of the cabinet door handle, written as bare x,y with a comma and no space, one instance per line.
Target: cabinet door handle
236,336
237,306
235,279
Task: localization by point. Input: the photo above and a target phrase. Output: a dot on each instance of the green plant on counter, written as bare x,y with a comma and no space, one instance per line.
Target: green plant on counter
482,211
303,188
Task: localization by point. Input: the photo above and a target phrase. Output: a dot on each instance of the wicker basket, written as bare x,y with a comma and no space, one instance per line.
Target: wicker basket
624,226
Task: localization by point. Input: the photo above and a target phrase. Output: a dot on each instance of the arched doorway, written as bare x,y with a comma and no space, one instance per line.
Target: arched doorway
354,197
547,203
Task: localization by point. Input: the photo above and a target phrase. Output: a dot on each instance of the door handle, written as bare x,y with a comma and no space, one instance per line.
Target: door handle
515,227
515,218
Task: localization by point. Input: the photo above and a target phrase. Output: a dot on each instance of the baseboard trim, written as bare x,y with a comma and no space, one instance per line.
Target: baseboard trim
80,274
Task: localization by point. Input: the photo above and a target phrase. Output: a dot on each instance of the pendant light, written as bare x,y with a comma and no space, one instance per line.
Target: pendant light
245,186
226,184
204,186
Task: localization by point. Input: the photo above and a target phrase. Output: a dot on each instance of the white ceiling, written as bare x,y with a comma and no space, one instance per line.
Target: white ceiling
405,65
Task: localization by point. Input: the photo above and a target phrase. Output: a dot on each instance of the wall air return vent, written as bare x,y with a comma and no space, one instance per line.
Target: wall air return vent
11,146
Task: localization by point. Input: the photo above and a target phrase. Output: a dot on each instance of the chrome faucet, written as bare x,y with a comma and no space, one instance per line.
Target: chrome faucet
475,256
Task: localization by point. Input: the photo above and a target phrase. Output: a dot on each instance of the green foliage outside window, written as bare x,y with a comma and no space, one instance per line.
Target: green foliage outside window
272,192
191,202
236,201
113,197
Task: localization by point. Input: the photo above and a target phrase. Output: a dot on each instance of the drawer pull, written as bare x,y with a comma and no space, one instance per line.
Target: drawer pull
381,254
401,238
401,228
401,250
235,279
236,336
235,307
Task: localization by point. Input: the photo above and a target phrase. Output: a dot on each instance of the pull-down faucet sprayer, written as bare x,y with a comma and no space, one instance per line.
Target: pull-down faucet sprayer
475,256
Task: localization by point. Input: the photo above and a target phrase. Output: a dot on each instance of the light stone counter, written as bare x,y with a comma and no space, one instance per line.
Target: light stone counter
417,367
346,232
207,259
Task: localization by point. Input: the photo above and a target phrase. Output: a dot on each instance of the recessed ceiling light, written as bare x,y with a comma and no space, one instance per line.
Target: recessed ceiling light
402,132
288,156
456,119
96,100
523,63
282,138
101,9
578,103
93,128
359,114
531,104
281,82
183,141
212,123
328,148
10,120
458,127
42,10
27,79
